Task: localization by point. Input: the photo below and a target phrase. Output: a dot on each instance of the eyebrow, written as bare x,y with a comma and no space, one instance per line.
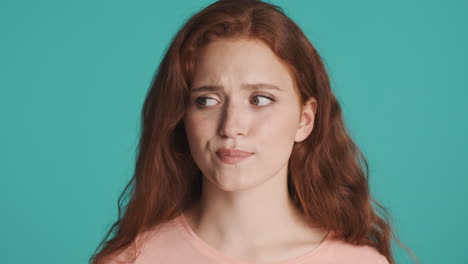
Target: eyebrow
245,86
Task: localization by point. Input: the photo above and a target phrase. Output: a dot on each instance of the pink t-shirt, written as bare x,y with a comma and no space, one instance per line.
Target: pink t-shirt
176,243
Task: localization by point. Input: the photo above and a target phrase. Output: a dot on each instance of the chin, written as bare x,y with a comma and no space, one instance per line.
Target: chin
235,183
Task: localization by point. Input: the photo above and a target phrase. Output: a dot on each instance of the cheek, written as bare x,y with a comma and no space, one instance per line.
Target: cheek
280,127
276,139
198,129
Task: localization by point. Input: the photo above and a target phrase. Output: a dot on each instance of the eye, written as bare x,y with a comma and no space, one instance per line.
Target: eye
200,101
203,101
261,96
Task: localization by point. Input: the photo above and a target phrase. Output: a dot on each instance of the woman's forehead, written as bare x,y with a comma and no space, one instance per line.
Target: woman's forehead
240,63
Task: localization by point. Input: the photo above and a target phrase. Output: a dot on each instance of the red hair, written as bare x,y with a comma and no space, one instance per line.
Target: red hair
327,173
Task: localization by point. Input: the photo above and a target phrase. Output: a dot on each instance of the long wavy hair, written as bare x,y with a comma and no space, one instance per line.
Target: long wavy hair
327,173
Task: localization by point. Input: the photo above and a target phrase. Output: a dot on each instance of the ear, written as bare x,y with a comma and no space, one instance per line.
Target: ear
306,124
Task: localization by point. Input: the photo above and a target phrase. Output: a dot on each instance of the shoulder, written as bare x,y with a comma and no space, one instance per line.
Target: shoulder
339,251
149,245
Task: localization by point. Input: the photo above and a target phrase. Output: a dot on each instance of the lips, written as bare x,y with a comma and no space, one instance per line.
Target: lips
232,156
233,153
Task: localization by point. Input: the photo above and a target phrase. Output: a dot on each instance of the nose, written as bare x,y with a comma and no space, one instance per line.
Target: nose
233,120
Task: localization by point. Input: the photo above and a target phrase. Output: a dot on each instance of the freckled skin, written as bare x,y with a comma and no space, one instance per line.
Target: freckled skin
243,119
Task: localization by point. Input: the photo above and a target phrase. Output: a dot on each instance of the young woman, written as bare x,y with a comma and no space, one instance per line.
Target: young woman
244,156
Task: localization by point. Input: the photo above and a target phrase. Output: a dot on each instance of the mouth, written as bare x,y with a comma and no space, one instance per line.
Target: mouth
233,158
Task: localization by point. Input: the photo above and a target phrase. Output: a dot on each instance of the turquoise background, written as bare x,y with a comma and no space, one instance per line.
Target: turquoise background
73,76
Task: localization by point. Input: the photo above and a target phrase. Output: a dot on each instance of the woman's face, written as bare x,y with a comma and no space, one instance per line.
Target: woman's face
238,107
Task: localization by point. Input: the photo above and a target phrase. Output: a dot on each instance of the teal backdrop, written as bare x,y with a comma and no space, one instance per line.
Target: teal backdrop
73,76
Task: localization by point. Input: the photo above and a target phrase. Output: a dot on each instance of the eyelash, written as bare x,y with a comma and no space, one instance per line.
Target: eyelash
207,97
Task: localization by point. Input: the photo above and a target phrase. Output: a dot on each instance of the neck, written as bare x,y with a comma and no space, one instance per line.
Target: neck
249,218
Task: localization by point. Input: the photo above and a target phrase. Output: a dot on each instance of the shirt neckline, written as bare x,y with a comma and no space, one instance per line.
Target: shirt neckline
206,249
